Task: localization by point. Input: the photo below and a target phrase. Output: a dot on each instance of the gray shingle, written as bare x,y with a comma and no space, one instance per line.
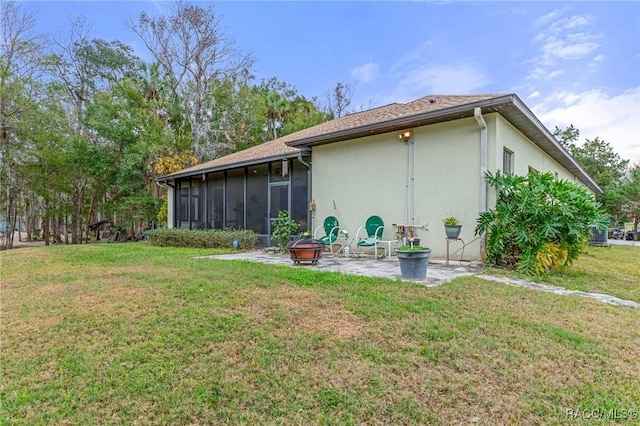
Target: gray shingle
279,148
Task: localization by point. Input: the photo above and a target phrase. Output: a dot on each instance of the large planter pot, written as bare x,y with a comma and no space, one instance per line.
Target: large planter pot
305,250
452,231
413,263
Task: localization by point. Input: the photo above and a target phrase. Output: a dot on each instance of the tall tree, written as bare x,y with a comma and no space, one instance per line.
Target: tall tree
303,113
599,159
236,122
339,99
602,163
596,156
130,135
568,137
285,110
631,192
623,199
85,68
189,42
22,62
277,110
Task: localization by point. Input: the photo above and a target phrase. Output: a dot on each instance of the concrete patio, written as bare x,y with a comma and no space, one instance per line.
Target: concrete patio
437,271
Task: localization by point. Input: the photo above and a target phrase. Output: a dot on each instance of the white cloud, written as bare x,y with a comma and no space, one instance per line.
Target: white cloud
554,74
563,38
596,61
549,17
424,79
572,47
413,57
570,23
614,118
536,73
539,73
449,79
366,73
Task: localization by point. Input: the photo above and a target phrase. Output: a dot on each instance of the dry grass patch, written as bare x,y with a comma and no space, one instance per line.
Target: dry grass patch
610,270
132,334
305,312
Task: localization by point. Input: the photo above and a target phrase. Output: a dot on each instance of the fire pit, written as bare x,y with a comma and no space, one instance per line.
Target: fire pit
305,249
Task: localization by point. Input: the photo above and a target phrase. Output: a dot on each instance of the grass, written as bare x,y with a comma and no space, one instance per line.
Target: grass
134,334
610,270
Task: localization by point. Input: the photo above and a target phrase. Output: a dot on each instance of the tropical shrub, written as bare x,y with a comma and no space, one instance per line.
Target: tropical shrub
206,238
283,228
538,222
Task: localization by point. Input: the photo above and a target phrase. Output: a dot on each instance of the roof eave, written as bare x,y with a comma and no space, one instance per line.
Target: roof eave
551,146
222,167
420,119
540,135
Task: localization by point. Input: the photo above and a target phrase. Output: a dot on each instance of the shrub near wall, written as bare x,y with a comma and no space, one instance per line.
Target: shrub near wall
210,238
538,222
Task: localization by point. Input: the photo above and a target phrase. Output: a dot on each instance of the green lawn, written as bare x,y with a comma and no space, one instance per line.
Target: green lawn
611,270
132,334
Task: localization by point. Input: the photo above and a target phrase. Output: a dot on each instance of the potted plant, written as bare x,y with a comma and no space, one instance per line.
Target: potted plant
413,261
452,227
283,228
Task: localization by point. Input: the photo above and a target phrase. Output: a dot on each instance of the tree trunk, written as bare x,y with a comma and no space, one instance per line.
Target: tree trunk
46,221
10,220
29,217
75,216
66,229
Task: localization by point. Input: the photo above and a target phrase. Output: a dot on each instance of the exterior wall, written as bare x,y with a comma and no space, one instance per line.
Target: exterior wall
526,154
353,180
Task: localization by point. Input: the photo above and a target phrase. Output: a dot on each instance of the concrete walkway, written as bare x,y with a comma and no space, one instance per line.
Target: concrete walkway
437,272
560,290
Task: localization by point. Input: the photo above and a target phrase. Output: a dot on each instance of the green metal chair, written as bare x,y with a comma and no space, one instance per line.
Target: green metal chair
331,228
374,227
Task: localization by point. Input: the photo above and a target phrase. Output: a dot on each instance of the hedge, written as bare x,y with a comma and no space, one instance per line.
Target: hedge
209,238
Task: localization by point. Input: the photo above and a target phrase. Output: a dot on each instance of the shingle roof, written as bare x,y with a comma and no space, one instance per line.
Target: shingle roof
286,146
392,112
275,149
421,112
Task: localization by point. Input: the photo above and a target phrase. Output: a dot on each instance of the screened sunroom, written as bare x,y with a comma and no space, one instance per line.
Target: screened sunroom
241,197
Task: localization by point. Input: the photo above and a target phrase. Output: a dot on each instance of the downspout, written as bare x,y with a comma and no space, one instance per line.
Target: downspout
484,155
406,185
308,166
409,218
412,181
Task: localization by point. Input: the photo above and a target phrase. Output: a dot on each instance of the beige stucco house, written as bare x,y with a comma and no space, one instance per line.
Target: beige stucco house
411,164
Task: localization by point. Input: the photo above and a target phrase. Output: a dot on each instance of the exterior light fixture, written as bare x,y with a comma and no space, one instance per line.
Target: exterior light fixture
406,135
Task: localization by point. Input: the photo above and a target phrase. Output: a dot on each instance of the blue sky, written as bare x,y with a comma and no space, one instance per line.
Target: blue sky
570,62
